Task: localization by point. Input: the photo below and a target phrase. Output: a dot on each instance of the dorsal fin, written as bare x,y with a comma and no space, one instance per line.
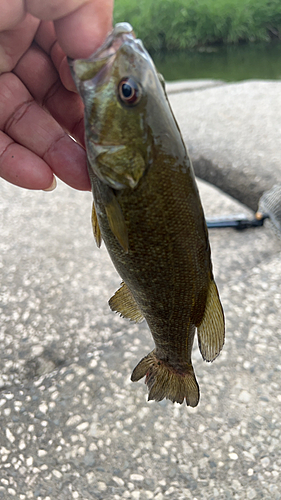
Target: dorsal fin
96,227
124,303
211,330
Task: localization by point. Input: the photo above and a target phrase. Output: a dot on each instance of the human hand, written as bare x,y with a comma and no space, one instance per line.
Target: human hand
38,103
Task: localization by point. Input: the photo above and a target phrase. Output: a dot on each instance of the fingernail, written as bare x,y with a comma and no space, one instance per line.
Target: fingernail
52,186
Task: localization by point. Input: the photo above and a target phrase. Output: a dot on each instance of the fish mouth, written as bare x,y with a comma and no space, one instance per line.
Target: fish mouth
86,69
120,33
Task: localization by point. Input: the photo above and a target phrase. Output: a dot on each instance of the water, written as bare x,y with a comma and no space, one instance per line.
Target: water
232,63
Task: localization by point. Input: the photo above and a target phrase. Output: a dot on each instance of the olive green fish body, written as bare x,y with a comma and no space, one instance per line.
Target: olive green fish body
166,269
148,212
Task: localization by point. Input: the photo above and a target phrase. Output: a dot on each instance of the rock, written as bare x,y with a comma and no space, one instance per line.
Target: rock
233,135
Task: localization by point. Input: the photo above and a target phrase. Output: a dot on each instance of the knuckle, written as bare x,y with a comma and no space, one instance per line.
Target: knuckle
18,114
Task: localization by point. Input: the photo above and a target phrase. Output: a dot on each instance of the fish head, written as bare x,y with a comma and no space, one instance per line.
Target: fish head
120,88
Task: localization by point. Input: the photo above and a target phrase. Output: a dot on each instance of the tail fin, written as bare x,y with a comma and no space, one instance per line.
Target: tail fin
163,381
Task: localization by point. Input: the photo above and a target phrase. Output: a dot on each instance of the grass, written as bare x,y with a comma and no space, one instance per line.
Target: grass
182,24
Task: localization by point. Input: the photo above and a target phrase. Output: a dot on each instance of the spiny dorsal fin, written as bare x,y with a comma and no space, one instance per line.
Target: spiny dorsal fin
117,222
211,331
96,227
124,303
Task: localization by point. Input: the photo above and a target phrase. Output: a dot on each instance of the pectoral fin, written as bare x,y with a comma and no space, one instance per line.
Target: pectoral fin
117,222
211,330
96,227
124,303
105,197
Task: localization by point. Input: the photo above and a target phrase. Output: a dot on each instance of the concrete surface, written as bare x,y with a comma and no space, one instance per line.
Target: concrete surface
73,426
191,85
233,133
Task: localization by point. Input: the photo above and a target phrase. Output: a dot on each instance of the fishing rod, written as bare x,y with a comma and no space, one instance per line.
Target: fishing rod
269,208
237,222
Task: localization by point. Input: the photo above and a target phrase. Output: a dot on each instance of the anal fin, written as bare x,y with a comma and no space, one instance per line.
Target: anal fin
212,328
96,227
124,303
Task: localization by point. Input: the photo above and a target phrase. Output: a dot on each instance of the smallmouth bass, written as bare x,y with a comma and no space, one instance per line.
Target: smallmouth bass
148,212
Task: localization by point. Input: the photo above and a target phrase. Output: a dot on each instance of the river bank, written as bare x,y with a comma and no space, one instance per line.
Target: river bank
183,24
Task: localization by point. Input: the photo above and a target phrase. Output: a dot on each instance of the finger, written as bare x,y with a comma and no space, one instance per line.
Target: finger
65,75
83,31
12,12
52,9
29,125
46,36
46,39
79,34
21,167
14,42
36,71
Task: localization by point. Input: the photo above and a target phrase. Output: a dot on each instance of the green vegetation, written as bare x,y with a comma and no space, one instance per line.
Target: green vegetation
181,24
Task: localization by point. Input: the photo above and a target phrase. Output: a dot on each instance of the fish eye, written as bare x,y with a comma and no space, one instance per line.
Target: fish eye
129,91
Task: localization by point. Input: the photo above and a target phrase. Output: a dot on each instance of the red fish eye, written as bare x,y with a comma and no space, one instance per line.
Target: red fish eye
129,91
